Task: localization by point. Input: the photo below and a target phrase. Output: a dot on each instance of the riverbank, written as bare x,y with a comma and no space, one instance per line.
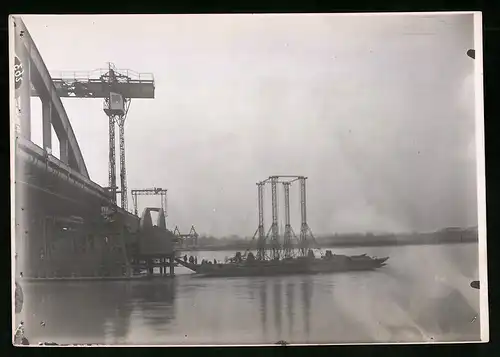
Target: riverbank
243,247
444,236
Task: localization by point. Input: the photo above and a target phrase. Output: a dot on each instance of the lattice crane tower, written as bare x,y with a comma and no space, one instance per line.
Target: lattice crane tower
117,88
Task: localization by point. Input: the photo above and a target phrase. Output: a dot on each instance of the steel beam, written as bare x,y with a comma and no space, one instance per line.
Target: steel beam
305,231
64,150
274,227
261,242
123,171
47,124
288,234
112,160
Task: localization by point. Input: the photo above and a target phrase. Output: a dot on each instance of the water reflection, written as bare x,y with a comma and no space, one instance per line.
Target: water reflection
277,307
290,295
155,301
283,295
406,301
263,308
94,312
307,291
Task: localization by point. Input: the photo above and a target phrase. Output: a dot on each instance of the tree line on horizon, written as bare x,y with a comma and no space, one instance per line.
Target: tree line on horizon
449,234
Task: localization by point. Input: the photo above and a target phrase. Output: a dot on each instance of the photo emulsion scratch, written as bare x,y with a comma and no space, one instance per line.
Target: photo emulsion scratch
247,179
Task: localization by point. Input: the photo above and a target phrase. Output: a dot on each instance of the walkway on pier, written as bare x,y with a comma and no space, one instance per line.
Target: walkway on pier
190,266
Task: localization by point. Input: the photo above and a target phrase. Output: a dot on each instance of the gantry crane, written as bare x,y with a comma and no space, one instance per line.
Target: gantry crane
306,234
155,191
189,240
117,87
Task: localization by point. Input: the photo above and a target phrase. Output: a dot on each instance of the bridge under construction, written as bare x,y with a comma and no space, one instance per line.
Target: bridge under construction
66,225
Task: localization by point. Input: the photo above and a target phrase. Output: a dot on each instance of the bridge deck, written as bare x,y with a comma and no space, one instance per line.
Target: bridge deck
29,152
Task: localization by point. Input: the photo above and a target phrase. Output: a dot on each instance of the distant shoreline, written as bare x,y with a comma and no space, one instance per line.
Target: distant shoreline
333,245
450,235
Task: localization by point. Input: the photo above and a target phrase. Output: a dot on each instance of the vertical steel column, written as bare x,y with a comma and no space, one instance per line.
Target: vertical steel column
164,205
47,124
261,242
112,141
112,163
304,228
134,200
288,228
274,227
64,149
123,172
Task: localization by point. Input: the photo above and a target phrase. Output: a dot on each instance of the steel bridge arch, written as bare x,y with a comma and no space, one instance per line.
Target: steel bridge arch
39,77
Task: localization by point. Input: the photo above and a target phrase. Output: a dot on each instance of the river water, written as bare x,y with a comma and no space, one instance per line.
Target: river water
423,294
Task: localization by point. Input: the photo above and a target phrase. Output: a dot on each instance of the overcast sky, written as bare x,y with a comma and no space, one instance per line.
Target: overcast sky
378,112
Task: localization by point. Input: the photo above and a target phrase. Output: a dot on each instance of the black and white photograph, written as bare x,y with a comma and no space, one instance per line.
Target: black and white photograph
247,179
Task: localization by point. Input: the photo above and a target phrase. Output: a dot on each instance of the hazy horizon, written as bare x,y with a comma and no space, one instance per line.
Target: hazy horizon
349,233
377,111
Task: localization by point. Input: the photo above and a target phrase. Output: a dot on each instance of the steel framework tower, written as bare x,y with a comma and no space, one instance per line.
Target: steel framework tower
273,234
116,108
117,88
260,233
305,232
150,192
118,118
289,233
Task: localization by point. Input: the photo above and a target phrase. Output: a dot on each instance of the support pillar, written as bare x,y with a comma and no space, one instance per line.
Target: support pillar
47,124
134,200
171,261
123,172
287,241
64,150
261,242
112,163
274,226
149,263
305,231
